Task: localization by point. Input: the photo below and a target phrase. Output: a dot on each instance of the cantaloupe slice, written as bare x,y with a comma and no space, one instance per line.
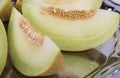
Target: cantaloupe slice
32,53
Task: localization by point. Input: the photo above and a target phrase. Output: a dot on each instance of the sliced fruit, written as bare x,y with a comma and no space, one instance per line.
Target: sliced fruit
83,4
18,5
32,53
77,66
68,4
3,47
73,30
5,9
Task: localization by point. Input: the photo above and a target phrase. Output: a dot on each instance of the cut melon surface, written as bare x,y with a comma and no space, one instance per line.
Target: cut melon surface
3,47
29,59
68,4
73,35
5,9
72,4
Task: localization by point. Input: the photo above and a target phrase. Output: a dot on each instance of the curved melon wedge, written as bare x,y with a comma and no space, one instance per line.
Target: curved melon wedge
73,35
83,4
32,53
3,47
5,9
68,4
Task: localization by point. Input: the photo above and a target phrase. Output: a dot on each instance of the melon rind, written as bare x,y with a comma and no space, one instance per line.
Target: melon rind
5,9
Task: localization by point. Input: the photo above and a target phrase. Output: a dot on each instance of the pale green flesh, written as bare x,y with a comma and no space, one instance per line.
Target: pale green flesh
3,47
74,35
77,66
29,59
78,4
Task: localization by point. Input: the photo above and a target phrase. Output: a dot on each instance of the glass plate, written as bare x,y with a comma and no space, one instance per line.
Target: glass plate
87,61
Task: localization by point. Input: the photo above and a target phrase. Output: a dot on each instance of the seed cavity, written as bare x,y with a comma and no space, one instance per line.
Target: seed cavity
60,1
32,36
69,15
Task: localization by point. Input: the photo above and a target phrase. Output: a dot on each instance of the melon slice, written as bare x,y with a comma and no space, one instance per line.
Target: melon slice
83,4
77,65
5,9
32,53
68,4
73,30
3,47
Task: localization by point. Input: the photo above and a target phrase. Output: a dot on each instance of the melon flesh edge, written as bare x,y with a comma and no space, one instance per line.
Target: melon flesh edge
27,58
3,47
78,4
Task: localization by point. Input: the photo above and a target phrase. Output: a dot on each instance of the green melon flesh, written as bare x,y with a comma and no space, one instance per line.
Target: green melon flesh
77,66
3,47
68,4
74,35
27,58
83,4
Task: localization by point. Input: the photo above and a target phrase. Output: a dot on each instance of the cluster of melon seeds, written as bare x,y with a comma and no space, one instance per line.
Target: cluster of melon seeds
60,1
70,15
34,37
